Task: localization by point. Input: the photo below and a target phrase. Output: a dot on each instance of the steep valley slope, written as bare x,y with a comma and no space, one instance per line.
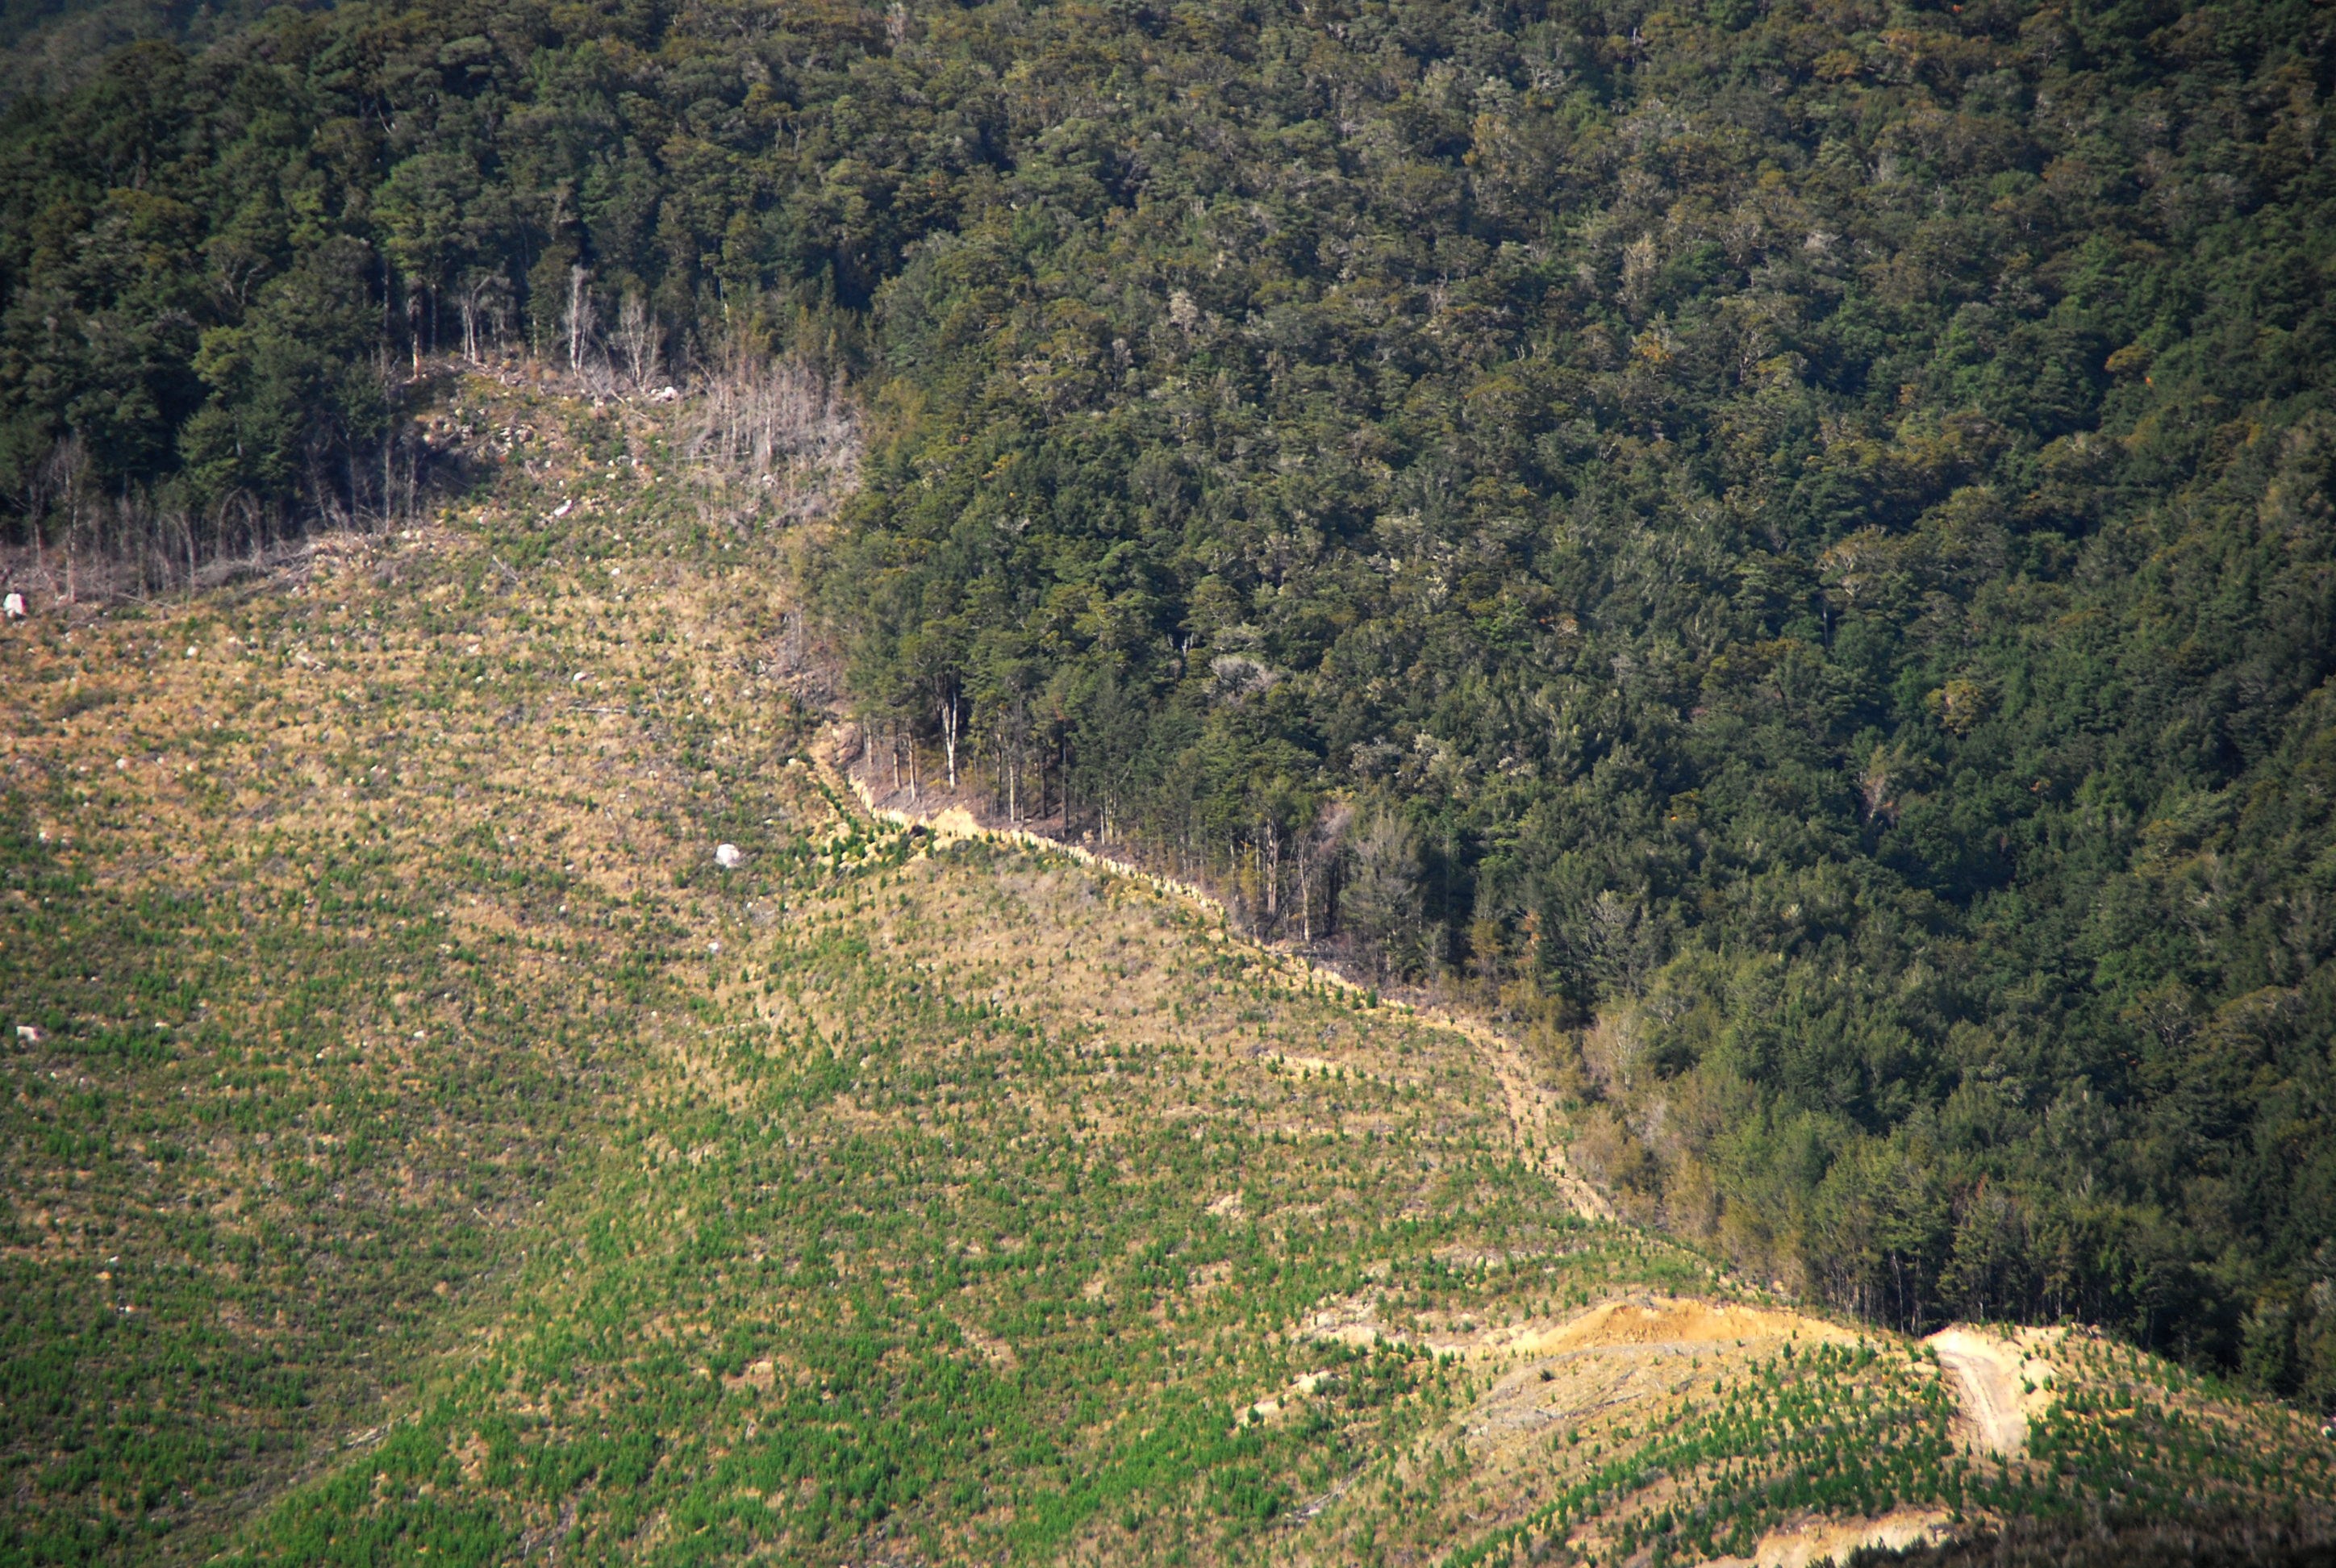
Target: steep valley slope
419,1146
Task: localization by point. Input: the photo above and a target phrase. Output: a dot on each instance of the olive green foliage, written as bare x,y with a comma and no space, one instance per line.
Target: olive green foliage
1820,520
1818,516
419,1147
1814,516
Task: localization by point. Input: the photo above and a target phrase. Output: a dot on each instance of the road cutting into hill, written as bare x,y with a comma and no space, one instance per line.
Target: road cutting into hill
1532,1114
1984,1372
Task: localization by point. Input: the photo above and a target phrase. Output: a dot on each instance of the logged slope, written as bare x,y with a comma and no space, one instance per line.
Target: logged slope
415,1140
1801,527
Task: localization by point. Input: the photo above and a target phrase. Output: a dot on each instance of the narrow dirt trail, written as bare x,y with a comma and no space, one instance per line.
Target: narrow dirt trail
1531,1116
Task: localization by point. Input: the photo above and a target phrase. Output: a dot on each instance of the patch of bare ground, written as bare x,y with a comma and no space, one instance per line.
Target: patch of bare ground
1806,1542
2000,1380
1646,1321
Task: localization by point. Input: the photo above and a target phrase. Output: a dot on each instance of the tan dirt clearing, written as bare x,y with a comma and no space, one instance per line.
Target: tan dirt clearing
1997,1381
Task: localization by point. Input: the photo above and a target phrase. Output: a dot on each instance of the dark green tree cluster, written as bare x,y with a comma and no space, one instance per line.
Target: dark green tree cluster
220,275
1800,529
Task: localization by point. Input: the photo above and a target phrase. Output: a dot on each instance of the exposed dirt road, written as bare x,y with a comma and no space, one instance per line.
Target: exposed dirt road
1534,1133
1988,1375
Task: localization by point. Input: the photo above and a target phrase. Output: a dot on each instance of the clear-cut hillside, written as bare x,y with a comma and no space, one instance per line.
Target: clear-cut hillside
417,1142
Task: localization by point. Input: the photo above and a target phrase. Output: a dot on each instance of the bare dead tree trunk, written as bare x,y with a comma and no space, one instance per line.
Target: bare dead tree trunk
949,735
637,340
1272,871
1305,893
579,316
467,303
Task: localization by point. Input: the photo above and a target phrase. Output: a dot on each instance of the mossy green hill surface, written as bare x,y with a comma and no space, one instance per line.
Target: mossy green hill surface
417,1148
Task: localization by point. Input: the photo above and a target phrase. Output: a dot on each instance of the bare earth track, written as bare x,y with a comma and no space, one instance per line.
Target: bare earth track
623,1091
1533,1128
1987,1373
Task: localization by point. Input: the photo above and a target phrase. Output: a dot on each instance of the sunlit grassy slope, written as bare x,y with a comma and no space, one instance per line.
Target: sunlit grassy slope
418,1149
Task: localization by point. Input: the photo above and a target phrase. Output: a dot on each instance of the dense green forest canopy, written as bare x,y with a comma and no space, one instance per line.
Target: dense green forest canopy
51,46
1796,535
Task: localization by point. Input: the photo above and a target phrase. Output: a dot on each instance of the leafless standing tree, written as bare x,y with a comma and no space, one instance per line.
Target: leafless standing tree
1316,850
636,339
484,300
776,428
945,692
582,323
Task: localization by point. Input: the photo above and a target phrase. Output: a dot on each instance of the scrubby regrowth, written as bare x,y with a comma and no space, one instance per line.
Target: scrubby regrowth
1785,542
422,1145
